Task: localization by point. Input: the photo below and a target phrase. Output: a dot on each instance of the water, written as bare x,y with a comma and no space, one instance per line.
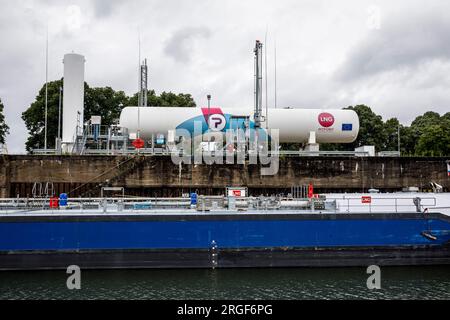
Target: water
300,283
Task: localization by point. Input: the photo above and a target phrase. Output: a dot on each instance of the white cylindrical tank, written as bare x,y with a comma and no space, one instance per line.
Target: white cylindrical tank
294,125
73,97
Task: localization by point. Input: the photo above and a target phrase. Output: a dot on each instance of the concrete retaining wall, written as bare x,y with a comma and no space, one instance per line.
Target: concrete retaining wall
157,175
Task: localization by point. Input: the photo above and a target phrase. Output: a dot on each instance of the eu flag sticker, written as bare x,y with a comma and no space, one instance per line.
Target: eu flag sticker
347,127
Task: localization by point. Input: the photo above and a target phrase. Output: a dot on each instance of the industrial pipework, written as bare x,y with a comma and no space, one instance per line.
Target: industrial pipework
258,118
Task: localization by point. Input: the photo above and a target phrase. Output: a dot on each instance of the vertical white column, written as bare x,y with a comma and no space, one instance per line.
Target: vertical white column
73,98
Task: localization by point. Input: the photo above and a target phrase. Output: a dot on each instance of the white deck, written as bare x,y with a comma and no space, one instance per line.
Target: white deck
346,203
385,202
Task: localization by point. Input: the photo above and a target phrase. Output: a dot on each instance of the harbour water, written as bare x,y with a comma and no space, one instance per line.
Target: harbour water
298,283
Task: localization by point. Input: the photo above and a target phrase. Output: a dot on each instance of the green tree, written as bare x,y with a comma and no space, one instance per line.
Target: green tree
427,119
34,117
371,129
166,99
4,129
391,127
434,141
446,118
424,129
104,102
408,141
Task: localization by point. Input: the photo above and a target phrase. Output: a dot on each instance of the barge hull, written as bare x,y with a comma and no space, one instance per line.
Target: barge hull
215,240
243,258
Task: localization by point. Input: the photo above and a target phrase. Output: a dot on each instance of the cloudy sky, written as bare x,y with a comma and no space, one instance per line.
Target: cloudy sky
391,55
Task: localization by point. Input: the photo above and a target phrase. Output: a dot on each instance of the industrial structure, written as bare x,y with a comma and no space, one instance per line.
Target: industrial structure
73,100
82,166
156,127
133,206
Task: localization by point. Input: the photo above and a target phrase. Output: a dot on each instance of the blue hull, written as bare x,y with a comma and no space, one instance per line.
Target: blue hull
178,237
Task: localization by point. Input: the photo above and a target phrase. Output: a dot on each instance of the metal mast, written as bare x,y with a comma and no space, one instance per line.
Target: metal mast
143,85
139,86
265,78
258,84
275,72
46,93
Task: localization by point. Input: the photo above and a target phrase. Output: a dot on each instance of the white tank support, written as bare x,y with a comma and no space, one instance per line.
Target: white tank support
73,99
312,146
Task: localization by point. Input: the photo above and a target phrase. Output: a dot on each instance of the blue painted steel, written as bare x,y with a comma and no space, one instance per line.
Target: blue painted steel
193,198
227,234
63,199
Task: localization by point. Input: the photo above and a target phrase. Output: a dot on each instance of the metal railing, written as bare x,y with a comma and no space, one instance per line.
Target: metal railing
217,153
23,205
381,204
342,204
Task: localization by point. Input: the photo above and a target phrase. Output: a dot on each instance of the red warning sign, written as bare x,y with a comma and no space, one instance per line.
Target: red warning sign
366,199
237,193
138,143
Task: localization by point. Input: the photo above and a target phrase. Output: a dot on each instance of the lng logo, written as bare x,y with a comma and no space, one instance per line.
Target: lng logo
326,119
217,121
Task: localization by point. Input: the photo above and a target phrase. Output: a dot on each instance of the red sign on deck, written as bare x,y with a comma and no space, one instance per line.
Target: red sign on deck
366,199
138,143
310,191
237,193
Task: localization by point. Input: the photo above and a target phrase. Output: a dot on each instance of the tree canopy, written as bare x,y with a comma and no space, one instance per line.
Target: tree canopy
428,135
166,99
102,101
4,129
371,131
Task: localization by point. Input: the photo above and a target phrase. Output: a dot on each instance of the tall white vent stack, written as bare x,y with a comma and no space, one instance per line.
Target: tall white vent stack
73,99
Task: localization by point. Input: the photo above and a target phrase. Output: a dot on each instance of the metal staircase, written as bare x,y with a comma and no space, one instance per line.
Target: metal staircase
120,172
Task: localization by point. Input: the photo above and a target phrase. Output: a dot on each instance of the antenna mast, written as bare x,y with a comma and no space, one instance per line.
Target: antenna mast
143,87
265,79
46,92
258,84
275,73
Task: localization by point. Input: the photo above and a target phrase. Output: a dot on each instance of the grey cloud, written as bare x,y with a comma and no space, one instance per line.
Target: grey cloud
399,45
411,45
105,8
180,44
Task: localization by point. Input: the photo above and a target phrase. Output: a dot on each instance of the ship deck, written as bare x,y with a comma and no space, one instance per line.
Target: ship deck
381,203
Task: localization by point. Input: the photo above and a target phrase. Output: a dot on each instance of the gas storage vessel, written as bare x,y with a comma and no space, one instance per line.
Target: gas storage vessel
294,125
225,231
